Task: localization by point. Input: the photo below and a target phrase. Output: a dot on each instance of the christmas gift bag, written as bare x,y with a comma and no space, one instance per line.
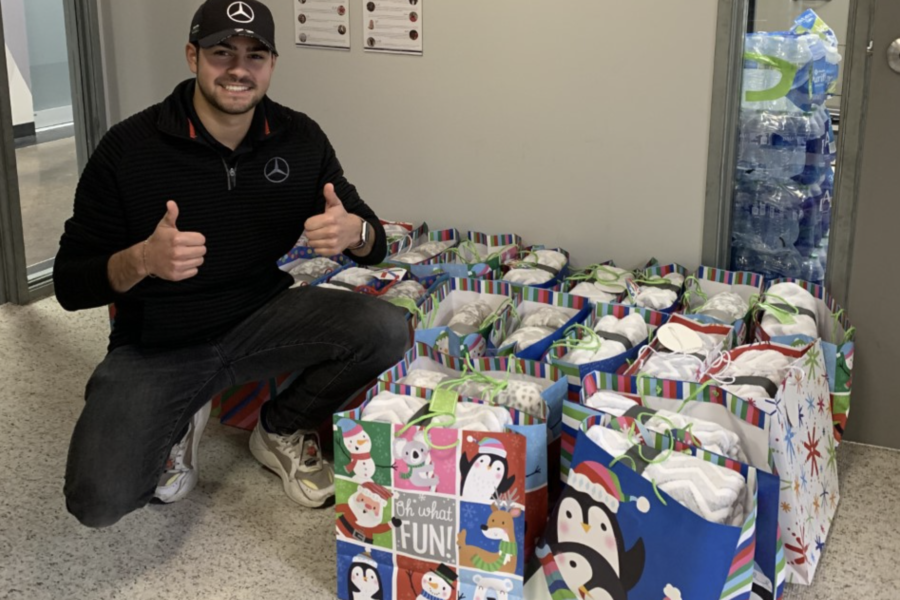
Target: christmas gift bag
438,510
455,270
308,268
493,250
402,236
612,335
833,326
720,296
461,313
539,318
659,287
611,533
600,283
537,266
428,249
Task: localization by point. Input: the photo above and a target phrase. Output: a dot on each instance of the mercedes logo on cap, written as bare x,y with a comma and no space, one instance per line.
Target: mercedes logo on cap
277,170
240,12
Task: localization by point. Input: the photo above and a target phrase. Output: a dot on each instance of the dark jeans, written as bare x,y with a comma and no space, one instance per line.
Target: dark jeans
140,400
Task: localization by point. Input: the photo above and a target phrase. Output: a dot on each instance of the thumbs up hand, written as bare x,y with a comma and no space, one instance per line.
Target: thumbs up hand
335,230
172,254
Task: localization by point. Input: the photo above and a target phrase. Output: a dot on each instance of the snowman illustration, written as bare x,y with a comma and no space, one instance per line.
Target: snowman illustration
361,467
436,584
363,579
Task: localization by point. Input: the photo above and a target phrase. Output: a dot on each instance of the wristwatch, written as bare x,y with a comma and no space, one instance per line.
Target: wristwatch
363,235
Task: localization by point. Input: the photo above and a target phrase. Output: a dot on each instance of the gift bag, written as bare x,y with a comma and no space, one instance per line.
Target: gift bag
614,534
587,338
537,266
659,287
423,508
627,411
436,323
428,249
720,296
494,250
308,268
455,270
402,236
538,319
837,335
600,283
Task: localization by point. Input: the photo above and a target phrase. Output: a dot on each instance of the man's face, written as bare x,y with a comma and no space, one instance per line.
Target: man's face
233,76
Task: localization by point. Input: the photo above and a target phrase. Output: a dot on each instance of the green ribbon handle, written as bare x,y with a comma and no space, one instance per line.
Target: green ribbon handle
589,341
409,305
443,403
692,289
788,72
785,317
848,335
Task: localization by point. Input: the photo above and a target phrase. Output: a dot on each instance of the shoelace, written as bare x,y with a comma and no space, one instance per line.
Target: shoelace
175,462
303,446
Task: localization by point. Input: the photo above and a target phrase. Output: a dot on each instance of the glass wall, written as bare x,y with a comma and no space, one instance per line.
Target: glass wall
790,115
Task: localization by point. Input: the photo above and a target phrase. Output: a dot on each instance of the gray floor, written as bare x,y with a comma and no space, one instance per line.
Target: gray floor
48,173
237,536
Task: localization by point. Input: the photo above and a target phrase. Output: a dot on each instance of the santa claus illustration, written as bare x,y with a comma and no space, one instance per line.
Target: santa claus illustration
361,517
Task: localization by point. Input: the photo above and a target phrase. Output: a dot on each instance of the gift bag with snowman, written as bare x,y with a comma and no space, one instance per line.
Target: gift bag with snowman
460,314
537,266
797,312
612,335
630,501
720,296
436,496
540,318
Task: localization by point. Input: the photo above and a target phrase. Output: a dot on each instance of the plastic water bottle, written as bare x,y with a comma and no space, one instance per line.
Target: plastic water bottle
811,269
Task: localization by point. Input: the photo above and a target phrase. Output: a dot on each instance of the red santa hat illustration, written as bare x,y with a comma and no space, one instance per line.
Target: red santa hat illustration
603,486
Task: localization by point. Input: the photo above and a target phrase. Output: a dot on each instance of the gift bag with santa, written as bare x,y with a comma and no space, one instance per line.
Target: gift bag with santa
436,497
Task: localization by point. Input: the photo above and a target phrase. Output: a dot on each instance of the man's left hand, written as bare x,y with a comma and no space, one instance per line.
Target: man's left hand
335,230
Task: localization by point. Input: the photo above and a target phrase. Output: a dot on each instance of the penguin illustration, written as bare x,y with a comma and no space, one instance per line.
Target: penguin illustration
363,579
585,525
486,475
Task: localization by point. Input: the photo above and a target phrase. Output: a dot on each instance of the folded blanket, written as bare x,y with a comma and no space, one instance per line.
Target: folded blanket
525,337
524,396
423,252
755,374
397,409
528,276
673,365
548,258
796,298
617,335
551,260
582,356
707,435
595,292
469,318
706,489
546,316
658,298
355,276
314,268
423,378
726,307
405,289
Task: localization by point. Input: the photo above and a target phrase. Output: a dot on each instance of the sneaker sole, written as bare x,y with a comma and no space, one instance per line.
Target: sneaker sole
269,461
193,476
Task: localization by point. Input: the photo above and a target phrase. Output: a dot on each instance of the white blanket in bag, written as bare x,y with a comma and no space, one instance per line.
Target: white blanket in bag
657,298
708,435
633,327
726,307
524,396
795,296
397,409
533,276
469,318
715,493
769,364
424,252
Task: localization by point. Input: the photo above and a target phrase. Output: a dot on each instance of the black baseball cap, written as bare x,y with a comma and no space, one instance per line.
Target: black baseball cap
217,20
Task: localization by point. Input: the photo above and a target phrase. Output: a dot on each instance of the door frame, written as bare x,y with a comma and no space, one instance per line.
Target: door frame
82,22
723,139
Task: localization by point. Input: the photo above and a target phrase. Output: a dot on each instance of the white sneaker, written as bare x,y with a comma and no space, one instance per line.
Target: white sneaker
297,459
182,473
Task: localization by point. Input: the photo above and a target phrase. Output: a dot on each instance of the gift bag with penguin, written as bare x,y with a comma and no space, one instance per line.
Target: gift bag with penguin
611,533
836,333
438,511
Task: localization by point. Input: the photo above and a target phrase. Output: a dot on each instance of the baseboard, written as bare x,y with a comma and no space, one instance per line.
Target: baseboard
23,130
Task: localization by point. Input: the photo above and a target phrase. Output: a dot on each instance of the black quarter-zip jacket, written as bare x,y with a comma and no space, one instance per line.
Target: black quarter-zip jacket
250,206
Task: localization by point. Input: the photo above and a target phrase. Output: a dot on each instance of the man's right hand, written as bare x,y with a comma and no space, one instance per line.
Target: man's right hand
172,254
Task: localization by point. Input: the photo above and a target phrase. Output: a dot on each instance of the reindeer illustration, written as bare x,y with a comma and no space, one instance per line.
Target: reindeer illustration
500,526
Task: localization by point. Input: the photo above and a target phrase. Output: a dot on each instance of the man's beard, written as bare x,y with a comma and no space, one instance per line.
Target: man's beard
212,101
364,519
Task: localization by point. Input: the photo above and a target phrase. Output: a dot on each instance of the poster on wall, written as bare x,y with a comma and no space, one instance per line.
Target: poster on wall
322,23
393,26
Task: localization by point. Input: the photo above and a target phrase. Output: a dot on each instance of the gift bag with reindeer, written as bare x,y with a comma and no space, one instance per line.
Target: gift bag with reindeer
622,411
436,497
538,319
460,314
808,312
719,296
612,335
631,499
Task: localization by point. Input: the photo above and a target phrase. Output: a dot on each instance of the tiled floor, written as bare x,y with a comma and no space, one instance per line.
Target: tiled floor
237,536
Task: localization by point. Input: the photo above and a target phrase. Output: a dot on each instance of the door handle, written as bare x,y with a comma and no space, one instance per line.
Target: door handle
893,55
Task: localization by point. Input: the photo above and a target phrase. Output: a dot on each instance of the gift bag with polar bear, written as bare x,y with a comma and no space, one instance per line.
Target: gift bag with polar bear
615,531
436,497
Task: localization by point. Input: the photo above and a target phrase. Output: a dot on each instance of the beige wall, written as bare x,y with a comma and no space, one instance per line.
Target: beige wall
17,64
584,126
